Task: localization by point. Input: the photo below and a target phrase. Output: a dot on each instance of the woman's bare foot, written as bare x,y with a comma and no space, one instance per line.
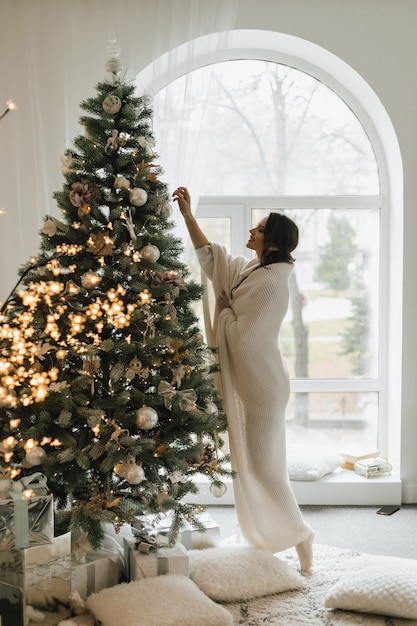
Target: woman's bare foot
305,553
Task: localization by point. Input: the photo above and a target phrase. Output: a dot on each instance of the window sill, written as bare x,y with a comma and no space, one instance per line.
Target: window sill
341,487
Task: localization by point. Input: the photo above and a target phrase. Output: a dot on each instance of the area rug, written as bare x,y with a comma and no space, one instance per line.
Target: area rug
305,607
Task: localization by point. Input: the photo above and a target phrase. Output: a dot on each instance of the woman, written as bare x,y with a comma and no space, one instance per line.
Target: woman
252,300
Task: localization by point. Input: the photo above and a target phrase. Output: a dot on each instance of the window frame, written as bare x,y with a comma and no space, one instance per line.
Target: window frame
338,75
238,210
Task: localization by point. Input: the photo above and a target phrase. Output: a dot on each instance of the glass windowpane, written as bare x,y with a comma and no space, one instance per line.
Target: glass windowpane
340,422
331,327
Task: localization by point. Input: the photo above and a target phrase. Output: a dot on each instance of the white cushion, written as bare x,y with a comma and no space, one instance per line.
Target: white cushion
228,574
384,585
171,600
311,466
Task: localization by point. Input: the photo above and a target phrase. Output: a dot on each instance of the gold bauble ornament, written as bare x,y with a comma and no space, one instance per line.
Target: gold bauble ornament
150,253
112,104
90,279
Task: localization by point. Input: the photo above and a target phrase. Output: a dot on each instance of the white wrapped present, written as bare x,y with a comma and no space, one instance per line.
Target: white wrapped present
158,562
195,539
47,586
26,513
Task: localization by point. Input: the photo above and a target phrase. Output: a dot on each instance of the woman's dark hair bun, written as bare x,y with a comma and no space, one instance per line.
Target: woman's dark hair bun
280,239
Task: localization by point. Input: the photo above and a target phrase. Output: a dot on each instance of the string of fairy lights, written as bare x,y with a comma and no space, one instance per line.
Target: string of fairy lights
11,106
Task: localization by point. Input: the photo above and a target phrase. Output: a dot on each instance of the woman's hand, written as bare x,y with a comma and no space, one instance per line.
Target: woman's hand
182,196
223,301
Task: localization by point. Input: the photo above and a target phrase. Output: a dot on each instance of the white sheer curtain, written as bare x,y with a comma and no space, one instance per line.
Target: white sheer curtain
52,54
183,130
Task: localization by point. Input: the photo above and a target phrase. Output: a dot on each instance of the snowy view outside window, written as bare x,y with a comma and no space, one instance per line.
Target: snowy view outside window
262,137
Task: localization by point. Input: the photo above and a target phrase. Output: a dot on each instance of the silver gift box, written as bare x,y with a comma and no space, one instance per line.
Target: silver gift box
372,467
17,567
194,539
50,585
162,561
40,512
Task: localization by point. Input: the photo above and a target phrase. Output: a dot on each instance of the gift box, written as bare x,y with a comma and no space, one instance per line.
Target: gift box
192,538
26,514
372,467
158,562
99,571
17,567
195,539
45,598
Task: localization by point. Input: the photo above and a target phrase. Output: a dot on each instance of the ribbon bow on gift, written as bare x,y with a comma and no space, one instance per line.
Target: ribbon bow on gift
37,484
187,397
146,543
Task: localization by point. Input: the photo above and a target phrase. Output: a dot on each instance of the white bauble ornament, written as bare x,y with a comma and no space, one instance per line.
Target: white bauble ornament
112,104
166,209
138,196
35,455
150,253
134,474
147,98
90,279
208,357
211,408
146,418
218,491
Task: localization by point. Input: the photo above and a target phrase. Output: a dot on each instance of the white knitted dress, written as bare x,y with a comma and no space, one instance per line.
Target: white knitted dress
255,390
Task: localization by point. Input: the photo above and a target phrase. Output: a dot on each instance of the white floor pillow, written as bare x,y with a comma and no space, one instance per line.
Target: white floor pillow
384,585
308,466
229,573
170,600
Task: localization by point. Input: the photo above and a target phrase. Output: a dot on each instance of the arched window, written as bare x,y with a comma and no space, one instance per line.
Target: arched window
269,136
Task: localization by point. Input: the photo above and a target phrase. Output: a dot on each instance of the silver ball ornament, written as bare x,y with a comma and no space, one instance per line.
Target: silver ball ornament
211,408
35,456
166,209
138,196
150,253
135,474
218,491
146,418
147,98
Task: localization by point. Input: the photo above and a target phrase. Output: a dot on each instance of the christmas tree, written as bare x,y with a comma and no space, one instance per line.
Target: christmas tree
106,385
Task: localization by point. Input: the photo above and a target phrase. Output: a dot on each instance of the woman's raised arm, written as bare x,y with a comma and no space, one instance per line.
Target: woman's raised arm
182,196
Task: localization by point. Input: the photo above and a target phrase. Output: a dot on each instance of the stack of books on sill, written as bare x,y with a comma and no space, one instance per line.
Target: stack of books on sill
349,460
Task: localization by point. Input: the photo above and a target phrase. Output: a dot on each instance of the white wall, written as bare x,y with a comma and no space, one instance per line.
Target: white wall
52,53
